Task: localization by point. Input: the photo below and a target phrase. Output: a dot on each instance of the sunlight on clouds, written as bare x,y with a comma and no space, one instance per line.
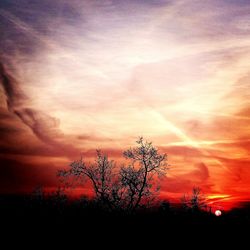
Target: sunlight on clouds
171,72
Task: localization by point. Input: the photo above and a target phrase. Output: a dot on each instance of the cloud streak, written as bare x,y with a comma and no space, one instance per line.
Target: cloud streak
44,127
13,93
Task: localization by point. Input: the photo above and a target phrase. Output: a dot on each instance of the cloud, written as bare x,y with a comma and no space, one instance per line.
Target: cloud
88,137
85,74
17,176
185,151
183,183
15,97
44,127
202,172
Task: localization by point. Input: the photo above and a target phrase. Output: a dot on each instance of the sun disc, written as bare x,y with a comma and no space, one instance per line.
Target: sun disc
217,213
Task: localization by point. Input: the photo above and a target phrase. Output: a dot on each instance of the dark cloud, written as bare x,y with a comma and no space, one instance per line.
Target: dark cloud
43,126
17,176
84,137
46,129
5,129
93,138
13,93
16,138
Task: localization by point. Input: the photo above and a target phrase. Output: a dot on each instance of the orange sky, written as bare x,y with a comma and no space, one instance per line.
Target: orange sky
80,75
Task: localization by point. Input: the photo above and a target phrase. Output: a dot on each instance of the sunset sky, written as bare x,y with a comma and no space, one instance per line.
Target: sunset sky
79,75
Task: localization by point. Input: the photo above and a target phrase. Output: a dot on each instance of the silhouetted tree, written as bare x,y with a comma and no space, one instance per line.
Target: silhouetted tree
165,206
58,196
138,177
126,188
101,174
38,195
195,202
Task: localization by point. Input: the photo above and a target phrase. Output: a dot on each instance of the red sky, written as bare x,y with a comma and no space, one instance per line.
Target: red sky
80,75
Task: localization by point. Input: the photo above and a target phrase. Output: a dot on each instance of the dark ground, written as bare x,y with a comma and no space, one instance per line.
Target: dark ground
86,222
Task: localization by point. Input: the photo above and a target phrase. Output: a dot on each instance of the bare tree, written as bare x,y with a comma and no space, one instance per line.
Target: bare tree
195,202
138,178
127,187
100,173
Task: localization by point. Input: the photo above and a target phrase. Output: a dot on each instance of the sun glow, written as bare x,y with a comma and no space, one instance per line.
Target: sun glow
218,197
